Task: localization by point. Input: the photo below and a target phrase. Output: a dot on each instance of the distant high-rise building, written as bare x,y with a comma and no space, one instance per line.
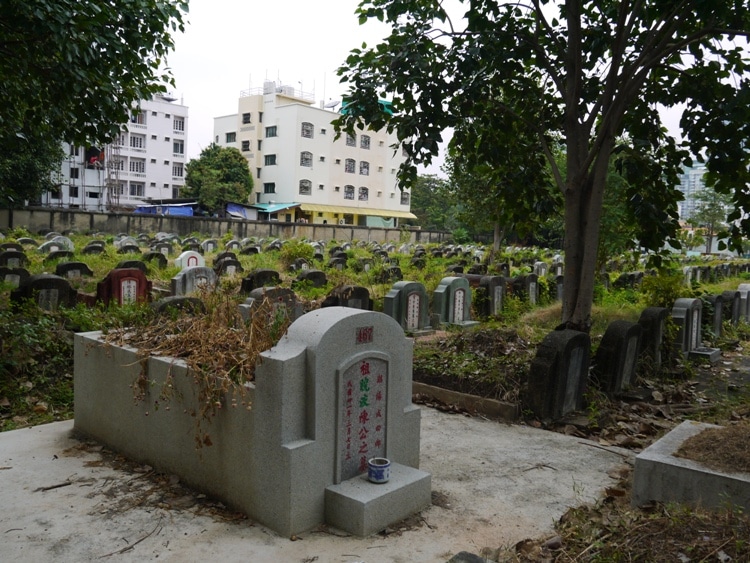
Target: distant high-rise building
146,162
302,172
691,182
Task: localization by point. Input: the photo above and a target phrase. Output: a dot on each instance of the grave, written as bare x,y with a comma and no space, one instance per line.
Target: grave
316,278
451,302
259,279
57,255
616,358
158,257
491,295
687,315
527,287
653,322
354,296
732,306
225,254
743,289
125,286
390,274
283,304
191,305
163,248
139,264
189,259
14,276
11,246
209,245
73,270
14,259
661,476
48,291
558,374
714,314
228,266
334,393
408,304
193,279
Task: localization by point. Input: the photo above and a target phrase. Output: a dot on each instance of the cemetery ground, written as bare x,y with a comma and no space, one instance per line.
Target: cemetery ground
490,360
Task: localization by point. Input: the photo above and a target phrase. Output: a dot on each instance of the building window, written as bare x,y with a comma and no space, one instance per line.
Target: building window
119,189
175,192
72,191
269,188
307,130
153,113
178,124
117,164
322,131
348,192
404,198
167,115
364,168
153,137
305,187
351,140
271,131
364,194
322,159
231,137
93,195
269,159
54,193
260,117
153,161
138,166
119,141
364,142
337,189
245,118
305,158
166,139
73,150
137,189
138,118
246,146
74,173
178,147
320,186
137,141
177,170
350,165
260,145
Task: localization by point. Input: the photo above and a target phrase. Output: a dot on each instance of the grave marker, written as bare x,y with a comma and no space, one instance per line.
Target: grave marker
617,355
452,302
125,286
408,304
193,279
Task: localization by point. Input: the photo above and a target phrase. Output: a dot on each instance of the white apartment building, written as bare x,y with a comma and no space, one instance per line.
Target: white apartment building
691,182
302,173
146,162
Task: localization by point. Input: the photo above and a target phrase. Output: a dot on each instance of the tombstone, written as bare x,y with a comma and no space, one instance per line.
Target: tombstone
233,245
527,287
13,259
504,269
732,309
418,262
65,243
436,253
49,246
11,246
209,245
143,238
714,314
51,235
250,250
338,263
354,296
299,265
228,267
192,247
743,289
57,255
125,286
189,259
27,241
14,277
193,279
686,314
478,269
165,248
558,374
316,278
126,242
616,358
258,279
93,249
129,264
48,291
69,270
187,241
455,269
333,250
129,249
557,268
273,246
540,269
390,274
491,296
281,301
653,323
225,254
451,302
407,302
559,287
180,303
155,256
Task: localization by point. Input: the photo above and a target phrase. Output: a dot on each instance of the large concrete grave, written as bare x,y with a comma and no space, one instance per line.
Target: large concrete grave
661,476
451,302
335,392
408,304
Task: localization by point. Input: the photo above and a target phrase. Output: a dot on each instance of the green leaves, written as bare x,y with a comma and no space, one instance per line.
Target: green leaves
218,176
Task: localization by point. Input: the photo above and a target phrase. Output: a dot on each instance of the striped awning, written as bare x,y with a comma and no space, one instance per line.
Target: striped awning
357,210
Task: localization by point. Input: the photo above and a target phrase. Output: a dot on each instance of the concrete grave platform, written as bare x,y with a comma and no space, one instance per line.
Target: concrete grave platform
661,476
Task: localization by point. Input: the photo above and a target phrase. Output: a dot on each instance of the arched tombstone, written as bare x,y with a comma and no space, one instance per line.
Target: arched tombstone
260,278
124,286
48,291
732,305
158,257
70,270
558,374
193,279
616,358
451,302
687,313
653,321
354,296
13,258
407,302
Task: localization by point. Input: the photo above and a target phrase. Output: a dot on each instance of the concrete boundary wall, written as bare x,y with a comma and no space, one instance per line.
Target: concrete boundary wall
44,219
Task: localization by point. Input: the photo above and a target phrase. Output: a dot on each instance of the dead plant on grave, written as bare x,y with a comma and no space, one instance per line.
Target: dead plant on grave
220,348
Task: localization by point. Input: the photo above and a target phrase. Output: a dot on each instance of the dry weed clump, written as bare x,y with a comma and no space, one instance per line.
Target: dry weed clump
220,348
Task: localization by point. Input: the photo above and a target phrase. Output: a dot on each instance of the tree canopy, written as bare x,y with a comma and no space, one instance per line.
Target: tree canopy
589,76
73,68
219,175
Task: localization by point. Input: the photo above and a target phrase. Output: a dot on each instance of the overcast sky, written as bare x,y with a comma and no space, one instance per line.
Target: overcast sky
234,45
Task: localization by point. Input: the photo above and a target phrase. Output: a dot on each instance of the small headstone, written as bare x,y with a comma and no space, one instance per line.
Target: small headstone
652,321
70,270
14,276
732,306
226,254
189,259
299,265
193,279
47,290
65,243
250,250
390,274
124,286
491,295
50,246
407,302
714,314
616,358
527,287
744,289
233,245
51,235
27,241
282,303
316,278
11,246
452,302
259,279
558,374
686,314
13,258
129,264
129,249
354,296
163,247
155,256
57,255
228,267
209,245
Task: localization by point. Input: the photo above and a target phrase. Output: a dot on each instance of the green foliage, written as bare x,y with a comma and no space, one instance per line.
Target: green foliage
71,70
294,249
460,236
433,203
219,175
27,163
663,289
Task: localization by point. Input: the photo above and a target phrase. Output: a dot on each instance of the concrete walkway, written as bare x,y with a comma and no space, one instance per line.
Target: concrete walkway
493,485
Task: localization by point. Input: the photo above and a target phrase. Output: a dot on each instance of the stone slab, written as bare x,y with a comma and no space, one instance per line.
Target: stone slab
362,508
661,476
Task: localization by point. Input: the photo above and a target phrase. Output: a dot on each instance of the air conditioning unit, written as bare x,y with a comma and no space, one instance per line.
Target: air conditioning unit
342,222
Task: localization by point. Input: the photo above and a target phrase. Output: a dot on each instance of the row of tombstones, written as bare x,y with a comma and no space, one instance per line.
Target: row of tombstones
559,374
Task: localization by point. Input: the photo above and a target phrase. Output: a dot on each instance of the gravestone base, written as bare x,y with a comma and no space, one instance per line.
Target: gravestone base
461,324
661,476
362,508
713,355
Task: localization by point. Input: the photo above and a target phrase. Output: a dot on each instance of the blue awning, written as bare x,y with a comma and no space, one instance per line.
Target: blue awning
274,207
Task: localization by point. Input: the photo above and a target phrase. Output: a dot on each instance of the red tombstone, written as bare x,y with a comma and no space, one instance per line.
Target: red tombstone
125,286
